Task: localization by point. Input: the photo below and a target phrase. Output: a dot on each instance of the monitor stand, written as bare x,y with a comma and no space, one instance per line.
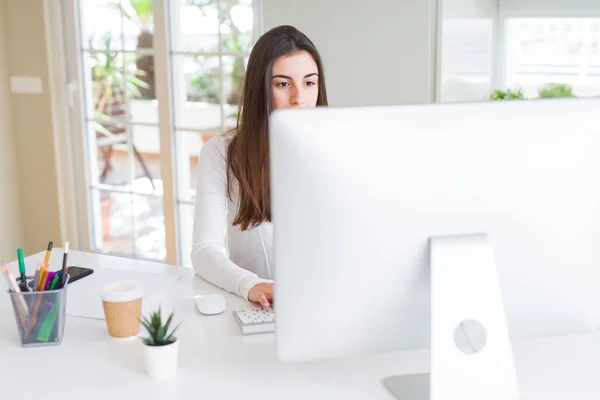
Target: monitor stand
464,290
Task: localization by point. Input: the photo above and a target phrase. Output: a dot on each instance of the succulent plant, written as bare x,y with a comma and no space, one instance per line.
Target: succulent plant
159,334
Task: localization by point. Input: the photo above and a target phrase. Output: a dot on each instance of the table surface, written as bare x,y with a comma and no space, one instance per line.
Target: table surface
217,362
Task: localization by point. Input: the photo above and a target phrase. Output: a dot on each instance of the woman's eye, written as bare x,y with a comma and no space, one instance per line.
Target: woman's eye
310,83
282,84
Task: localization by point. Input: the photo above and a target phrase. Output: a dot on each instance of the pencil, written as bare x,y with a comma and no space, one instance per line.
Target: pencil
8,282
48,250
18,306
15,287
37,276
44,267
43,280
19,309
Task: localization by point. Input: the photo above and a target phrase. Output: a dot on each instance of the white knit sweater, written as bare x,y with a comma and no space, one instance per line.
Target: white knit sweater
248,261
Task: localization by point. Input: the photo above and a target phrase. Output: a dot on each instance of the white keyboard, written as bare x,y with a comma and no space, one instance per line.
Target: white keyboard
259,320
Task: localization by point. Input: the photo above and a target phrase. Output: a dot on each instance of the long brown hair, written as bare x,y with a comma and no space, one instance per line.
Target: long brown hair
248,152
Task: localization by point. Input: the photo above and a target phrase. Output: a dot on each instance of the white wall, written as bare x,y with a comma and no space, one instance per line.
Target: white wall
378,52
468,49
26,54
550,8
11,230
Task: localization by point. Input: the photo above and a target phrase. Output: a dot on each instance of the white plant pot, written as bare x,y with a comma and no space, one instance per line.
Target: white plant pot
161,361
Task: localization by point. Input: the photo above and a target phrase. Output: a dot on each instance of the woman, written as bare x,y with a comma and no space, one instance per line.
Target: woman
233,194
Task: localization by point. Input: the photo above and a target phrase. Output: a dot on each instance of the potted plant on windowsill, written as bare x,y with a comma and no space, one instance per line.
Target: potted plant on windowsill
555,90
161,347
510,94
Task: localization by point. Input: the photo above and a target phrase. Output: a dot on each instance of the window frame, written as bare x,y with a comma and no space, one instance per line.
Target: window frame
77,205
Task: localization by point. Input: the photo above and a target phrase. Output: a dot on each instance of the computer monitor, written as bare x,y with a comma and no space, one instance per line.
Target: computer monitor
357,193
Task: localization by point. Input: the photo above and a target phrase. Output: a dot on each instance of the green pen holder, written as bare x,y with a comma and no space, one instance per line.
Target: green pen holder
40,316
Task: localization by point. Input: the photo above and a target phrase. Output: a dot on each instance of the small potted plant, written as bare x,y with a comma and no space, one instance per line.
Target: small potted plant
554,90
161,347
510,94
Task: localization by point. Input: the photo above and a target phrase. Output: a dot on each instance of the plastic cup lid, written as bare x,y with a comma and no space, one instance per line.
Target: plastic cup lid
121,291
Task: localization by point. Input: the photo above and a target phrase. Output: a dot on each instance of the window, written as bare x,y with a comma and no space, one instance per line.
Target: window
467,53
134,193
210,45
541,51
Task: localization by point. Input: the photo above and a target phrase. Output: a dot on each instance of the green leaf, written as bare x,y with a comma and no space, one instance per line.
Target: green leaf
168,338
510,94
555,90
162,333
151,333
141,7
147,326
168,323
139,82
158,332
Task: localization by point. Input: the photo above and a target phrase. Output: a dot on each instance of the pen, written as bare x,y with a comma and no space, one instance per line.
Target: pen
54,281
22,269
51,276
64,265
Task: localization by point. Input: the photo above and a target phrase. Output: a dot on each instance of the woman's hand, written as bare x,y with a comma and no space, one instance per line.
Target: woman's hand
261,293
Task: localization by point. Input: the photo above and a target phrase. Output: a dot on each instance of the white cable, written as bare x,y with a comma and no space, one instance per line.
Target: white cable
262,241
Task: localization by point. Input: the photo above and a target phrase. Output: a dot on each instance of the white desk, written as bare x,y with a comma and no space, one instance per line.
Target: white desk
217,362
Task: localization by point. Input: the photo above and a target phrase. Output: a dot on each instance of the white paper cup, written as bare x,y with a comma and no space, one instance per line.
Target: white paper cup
122,302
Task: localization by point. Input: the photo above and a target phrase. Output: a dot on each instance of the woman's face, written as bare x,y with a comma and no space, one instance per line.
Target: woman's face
295,81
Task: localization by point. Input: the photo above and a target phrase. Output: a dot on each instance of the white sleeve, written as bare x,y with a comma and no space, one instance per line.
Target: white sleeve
210,222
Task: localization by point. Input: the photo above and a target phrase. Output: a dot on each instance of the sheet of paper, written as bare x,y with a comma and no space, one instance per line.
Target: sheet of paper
83,296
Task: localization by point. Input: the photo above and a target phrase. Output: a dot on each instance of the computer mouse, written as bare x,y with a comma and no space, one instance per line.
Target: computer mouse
210,303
